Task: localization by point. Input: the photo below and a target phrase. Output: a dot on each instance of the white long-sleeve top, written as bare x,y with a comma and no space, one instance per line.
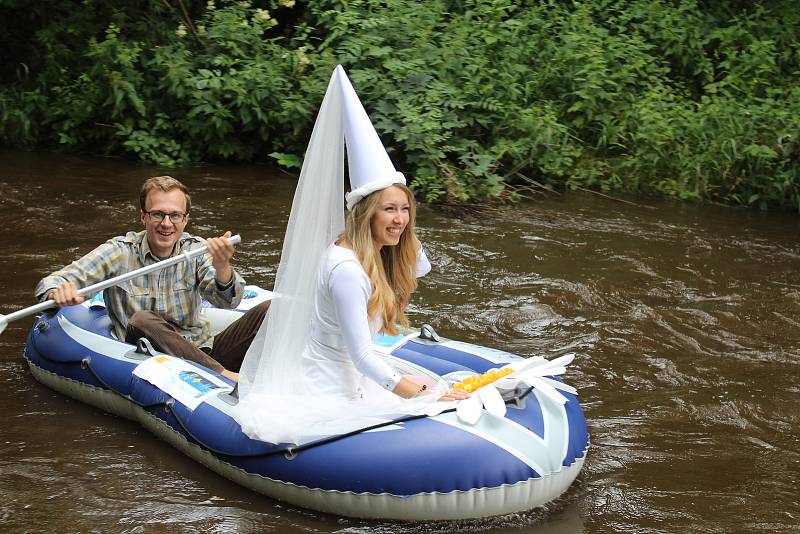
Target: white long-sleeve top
339,354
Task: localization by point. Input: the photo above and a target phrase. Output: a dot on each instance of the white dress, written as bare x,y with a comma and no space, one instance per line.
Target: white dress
338,359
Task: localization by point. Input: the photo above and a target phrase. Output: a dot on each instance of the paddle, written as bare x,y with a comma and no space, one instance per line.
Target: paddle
94,288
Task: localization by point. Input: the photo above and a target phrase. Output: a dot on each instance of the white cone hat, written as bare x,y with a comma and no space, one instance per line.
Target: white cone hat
368,163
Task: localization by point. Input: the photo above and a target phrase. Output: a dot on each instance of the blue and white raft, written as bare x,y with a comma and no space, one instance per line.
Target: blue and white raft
415,468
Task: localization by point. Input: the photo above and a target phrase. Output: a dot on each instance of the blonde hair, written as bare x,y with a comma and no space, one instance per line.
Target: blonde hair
392,273
165,184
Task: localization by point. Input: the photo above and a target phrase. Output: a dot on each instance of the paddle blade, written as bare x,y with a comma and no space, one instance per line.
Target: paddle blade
3,323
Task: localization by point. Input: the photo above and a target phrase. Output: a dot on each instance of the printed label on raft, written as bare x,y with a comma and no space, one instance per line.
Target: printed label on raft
181,380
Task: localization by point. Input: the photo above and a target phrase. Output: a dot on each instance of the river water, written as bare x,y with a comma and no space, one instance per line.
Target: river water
685,320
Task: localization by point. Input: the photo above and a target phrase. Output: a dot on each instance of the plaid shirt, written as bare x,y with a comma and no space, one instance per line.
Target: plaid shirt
174,293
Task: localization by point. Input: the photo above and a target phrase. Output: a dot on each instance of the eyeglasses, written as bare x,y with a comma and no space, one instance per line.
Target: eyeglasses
176,216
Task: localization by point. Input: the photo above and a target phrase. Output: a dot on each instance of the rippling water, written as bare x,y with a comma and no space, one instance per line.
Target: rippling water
685,320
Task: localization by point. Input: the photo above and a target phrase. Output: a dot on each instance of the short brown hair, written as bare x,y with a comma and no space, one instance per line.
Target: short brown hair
165,184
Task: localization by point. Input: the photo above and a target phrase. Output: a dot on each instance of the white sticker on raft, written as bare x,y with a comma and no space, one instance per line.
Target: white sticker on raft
544,454
180,379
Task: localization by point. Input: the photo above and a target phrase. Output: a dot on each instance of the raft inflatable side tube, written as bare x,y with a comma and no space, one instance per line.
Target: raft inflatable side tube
416,468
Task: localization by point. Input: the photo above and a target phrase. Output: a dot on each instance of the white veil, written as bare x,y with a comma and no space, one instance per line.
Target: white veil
317,217
273,405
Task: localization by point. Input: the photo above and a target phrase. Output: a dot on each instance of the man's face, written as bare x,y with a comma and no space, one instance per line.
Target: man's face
162,235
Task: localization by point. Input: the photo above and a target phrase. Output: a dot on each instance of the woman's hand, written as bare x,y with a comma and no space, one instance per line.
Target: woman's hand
455,395
409,387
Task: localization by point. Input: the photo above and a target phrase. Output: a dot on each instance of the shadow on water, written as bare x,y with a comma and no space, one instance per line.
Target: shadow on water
685,320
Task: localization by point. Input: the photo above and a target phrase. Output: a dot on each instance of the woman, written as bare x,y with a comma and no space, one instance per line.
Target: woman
364,285
300,382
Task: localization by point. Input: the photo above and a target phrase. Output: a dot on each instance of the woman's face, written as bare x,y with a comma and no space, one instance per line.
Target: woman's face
391,217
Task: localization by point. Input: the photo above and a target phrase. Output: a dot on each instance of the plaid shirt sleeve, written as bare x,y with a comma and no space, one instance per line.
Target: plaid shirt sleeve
100,264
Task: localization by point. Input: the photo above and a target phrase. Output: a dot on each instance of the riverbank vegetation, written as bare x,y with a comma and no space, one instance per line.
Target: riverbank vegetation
477,99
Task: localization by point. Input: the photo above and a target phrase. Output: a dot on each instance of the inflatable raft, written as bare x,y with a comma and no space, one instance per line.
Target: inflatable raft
414,468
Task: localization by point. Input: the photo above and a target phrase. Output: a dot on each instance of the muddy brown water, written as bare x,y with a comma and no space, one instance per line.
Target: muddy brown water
685,320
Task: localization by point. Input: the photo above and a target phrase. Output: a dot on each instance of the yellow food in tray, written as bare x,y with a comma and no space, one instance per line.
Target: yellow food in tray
472,383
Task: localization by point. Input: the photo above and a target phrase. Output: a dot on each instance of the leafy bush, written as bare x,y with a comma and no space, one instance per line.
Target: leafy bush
476,99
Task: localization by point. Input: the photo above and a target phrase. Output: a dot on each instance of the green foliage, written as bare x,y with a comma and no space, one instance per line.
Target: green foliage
220,89
476,99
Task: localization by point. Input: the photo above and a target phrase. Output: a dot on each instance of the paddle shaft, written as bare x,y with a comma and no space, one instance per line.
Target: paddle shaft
94,288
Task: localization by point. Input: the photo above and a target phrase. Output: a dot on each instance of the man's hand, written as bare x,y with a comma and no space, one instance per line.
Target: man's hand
230,374
65,295
221,251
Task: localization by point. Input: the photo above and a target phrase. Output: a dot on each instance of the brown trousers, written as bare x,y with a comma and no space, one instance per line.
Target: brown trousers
229,348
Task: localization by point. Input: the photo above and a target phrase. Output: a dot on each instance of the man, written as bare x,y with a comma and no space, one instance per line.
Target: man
164,306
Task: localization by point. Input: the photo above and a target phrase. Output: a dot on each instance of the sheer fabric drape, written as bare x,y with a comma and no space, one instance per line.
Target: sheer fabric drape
274,405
